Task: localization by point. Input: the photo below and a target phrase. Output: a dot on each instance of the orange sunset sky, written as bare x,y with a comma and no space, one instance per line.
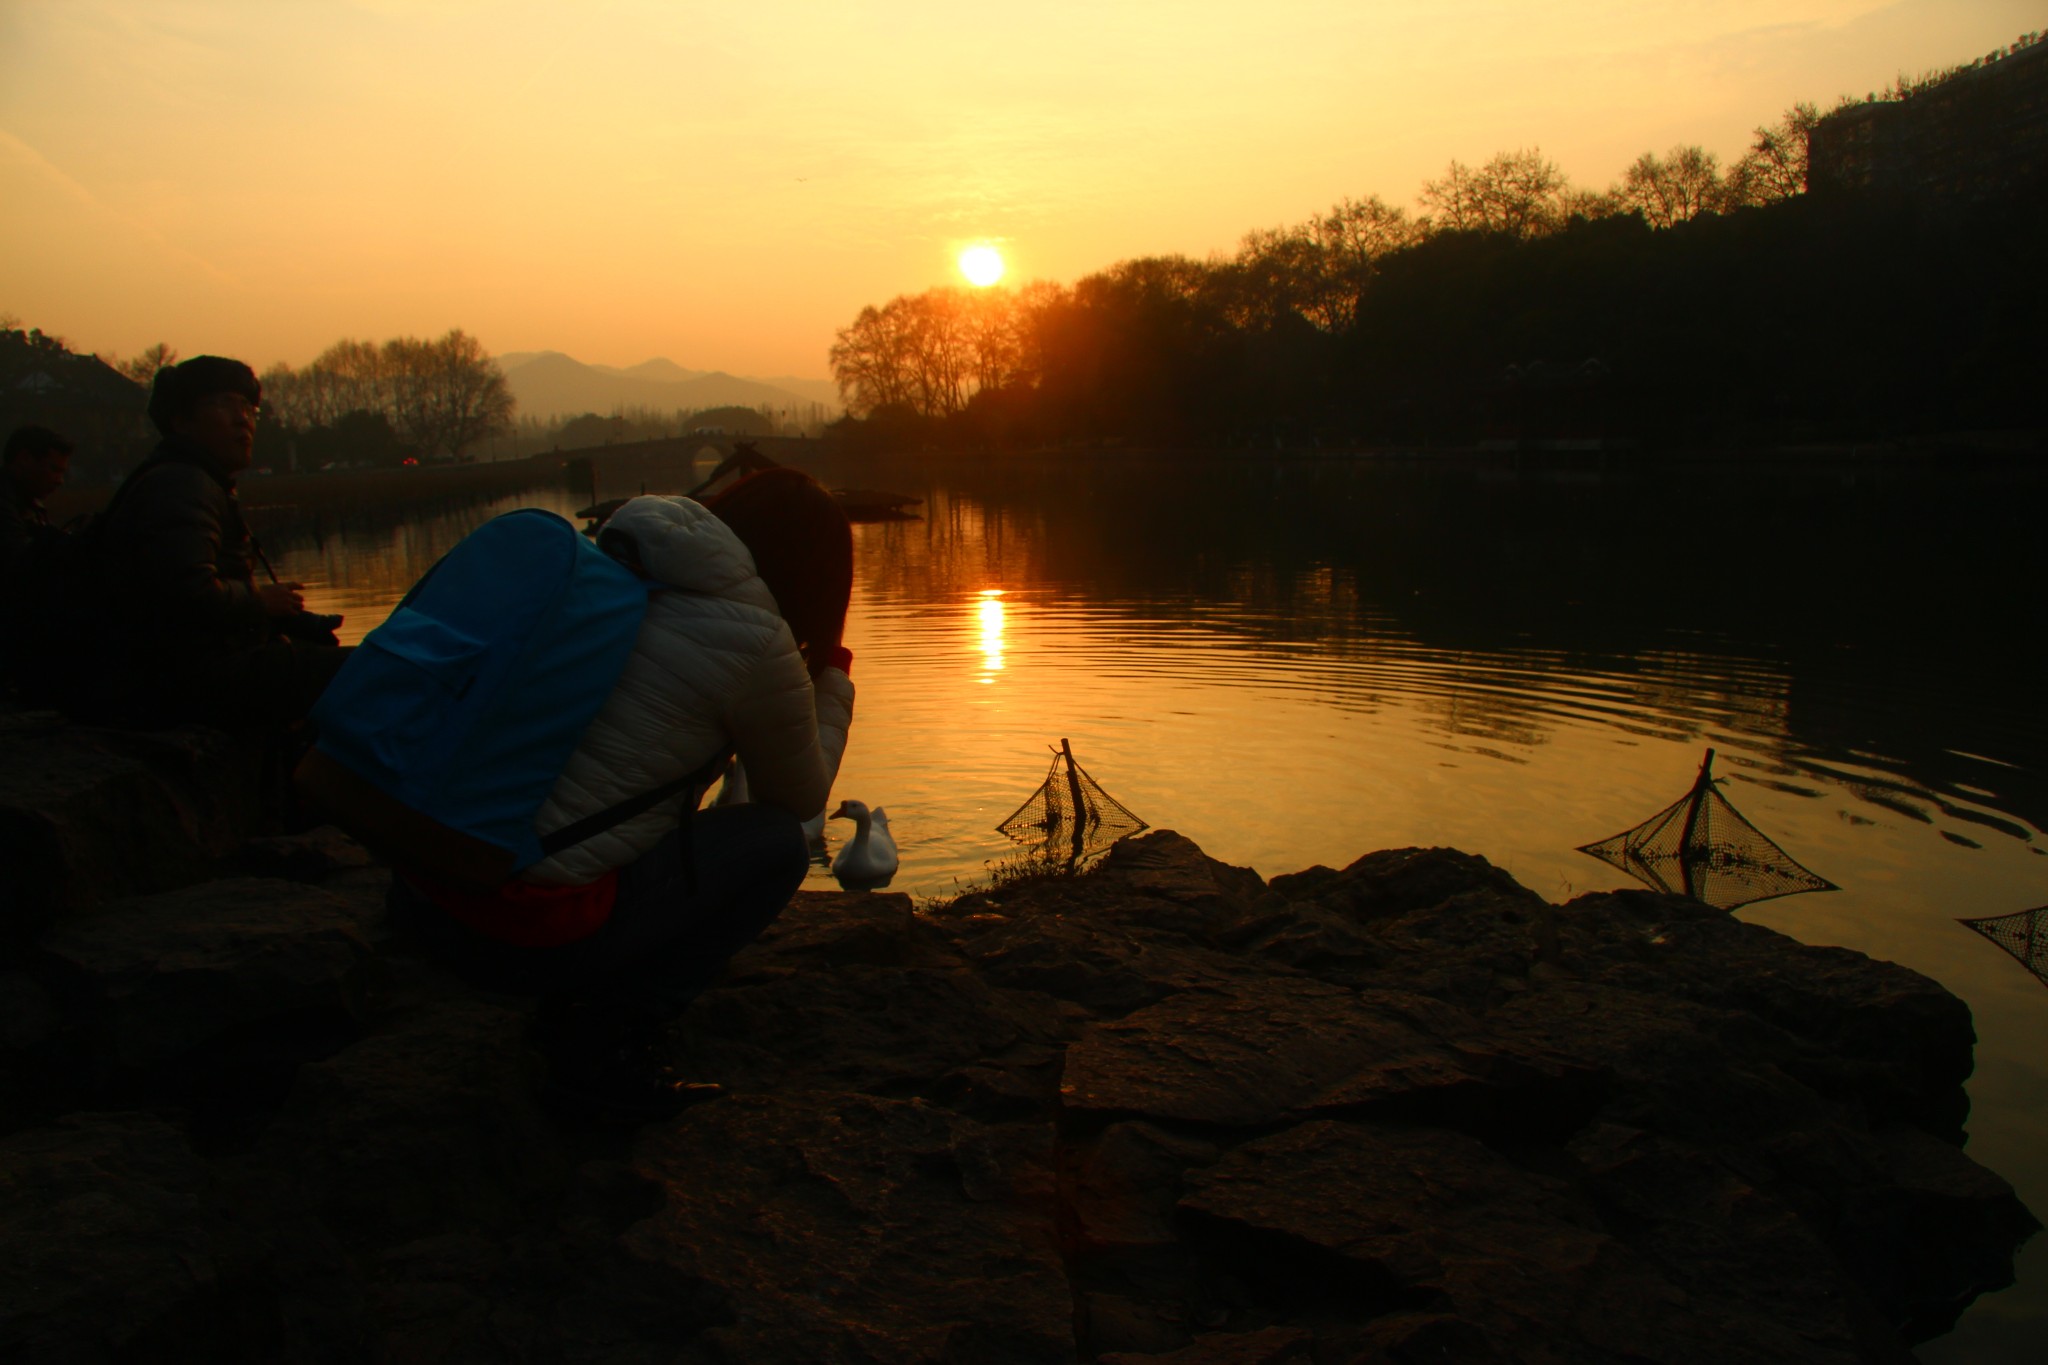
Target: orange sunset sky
727,184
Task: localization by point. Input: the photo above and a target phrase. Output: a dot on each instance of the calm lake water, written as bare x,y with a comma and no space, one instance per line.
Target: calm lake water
1297,662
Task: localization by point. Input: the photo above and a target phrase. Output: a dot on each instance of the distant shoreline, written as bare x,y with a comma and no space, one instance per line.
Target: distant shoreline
1986,449
354,486
1960,453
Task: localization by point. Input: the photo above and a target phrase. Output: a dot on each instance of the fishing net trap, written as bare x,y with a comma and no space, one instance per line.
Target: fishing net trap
1070,814
1700,846
2024,935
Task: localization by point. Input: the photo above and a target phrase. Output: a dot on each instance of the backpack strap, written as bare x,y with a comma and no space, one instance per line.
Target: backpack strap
574,833
410,839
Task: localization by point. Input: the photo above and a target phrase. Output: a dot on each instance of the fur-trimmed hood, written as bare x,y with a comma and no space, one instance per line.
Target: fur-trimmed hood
714,670
681,543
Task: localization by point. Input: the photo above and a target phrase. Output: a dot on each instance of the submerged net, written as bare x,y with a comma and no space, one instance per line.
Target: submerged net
1701,846
1070,815
2024,935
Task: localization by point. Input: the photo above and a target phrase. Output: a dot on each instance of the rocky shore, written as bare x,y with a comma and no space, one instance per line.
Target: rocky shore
1165,1111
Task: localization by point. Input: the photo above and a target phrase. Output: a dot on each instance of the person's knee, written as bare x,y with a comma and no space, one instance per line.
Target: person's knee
756,831
784,835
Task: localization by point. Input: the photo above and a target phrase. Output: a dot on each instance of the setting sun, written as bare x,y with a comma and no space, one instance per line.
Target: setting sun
982,265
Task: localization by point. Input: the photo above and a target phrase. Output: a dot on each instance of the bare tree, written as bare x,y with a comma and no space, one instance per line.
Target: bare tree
1775,166
1036,309
1680,186
1353,236
142,368
349,376
284,399
443,396
403,373
1578,202
1316,270
990,327
466,396
1520,192
1360,231
930,351
939,352
871,359
1277,273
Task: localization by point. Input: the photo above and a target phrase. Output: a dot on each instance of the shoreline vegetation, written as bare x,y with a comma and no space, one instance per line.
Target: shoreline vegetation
1857,318
2018,450
1862,276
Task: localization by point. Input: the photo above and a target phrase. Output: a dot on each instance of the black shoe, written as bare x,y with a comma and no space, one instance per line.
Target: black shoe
620,1095
599,1069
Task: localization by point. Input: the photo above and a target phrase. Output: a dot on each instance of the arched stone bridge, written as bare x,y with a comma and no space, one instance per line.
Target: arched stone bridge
675,464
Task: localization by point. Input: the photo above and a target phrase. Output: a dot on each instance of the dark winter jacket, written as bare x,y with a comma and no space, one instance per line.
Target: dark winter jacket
180,564
21,521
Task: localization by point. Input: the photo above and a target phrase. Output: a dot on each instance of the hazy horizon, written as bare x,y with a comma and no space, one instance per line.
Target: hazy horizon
726,190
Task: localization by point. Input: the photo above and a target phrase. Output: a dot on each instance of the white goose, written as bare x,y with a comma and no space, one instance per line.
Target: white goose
869,858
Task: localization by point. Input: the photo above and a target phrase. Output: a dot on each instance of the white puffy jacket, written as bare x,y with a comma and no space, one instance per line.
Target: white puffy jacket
714,667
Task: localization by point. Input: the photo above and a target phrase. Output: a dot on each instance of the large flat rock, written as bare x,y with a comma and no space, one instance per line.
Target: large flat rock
89,814
425,1127
1384,1218
161,975
104,1252
855,1229
1279,1048
1161,1112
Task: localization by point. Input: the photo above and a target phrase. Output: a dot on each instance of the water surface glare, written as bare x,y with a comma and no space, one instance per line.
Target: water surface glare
1298,664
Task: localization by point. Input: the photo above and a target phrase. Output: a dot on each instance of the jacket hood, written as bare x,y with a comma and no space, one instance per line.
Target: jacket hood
681,543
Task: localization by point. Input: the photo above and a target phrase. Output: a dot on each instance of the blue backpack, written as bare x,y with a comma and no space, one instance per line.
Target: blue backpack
443,734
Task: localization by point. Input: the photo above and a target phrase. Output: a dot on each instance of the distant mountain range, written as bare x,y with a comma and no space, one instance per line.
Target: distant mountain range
550,384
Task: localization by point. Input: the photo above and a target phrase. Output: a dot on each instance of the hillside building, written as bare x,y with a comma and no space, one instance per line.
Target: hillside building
1980,132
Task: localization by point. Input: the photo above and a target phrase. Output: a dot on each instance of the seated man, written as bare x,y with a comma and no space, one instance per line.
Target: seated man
196,637
37,459
32,555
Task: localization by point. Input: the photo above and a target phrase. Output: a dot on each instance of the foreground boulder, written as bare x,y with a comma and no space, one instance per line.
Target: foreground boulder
107,1255
1162,1112
87,814
842,1226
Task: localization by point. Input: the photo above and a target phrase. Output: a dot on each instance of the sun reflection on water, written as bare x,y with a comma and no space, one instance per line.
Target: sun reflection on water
990,609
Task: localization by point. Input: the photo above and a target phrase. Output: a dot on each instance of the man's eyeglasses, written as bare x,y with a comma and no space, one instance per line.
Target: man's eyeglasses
235,404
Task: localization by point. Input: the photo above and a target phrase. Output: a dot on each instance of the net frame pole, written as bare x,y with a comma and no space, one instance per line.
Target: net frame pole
1076,797
1701,786
1721,858
1074,793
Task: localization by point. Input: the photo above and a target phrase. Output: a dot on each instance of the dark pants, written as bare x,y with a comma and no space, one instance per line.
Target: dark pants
269,686
669,935
262,687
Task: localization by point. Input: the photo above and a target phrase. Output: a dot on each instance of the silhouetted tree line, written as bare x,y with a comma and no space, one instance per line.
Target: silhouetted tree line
532,435
1687,302
369,403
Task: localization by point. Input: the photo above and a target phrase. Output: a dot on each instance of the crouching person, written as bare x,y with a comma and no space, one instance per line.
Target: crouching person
739,653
